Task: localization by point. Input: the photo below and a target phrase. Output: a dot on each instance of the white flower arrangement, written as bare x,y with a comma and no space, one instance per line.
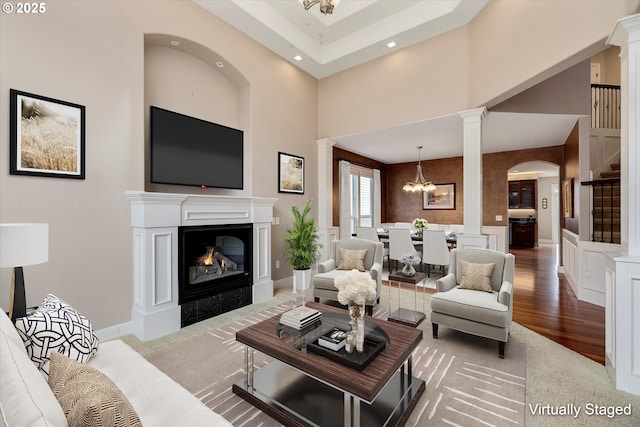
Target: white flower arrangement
410,259
420,224
355,287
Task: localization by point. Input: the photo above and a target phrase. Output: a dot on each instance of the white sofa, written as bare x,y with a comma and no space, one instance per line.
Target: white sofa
26,399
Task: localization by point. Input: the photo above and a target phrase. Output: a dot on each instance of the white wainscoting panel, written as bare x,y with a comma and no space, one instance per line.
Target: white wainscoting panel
609,313
498,237
162,272
138,267
570,259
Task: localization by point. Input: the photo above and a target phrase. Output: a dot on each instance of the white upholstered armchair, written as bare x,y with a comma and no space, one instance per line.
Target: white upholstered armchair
323,285
476,296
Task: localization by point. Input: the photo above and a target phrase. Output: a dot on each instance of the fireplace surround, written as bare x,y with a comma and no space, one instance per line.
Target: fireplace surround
156,219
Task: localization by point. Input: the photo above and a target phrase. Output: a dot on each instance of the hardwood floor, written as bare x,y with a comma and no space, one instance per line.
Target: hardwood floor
544,302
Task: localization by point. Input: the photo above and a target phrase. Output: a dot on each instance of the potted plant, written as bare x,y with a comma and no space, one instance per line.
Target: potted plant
304,249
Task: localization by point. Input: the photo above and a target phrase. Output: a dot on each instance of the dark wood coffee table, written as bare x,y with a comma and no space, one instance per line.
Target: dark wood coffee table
306,389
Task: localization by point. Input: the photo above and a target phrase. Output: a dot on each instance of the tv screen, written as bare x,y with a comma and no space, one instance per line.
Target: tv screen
189,151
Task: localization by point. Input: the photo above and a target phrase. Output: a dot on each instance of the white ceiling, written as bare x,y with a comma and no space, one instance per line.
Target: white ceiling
443,137
358,31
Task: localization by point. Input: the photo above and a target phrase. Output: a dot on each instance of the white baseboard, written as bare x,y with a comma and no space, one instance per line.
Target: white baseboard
113,332
287,282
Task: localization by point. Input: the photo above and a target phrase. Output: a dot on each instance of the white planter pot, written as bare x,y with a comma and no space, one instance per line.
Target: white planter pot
301,283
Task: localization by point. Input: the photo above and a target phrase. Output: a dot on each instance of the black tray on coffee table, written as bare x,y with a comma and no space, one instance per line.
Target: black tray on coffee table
370,349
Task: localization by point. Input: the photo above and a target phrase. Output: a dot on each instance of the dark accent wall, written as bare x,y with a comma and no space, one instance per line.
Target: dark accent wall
404,206
398,205
495,173
572,170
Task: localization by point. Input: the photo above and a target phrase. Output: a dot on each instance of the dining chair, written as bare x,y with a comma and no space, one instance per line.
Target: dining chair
435,250
403,225
400,243
371,233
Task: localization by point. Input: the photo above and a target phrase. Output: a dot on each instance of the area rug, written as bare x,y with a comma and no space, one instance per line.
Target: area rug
466,383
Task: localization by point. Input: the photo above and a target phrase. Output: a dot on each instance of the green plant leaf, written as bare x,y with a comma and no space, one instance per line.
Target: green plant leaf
304,249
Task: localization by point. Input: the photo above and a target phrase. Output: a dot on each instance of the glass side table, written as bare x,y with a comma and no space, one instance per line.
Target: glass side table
407,316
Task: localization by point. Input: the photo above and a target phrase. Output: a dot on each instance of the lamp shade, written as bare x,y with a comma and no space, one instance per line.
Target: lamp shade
23,244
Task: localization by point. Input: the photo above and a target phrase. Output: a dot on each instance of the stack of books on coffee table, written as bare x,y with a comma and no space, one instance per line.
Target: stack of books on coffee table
301,318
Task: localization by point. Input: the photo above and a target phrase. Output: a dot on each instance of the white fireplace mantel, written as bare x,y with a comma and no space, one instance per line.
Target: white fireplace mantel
155,218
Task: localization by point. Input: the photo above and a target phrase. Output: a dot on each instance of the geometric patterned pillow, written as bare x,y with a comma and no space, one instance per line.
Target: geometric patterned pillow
352,259
57,327
476,276
87,396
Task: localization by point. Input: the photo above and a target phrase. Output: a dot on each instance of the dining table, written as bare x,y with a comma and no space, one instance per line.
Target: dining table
383,235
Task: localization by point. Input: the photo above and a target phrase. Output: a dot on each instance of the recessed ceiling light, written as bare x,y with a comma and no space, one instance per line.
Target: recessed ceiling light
391,44
298,58
175,43
219,64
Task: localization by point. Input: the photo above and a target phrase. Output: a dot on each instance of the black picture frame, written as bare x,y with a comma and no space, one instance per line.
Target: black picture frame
443,197
290,173
47,136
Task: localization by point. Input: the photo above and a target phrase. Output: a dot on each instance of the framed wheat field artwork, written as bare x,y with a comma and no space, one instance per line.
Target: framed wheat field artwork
443,197
46,136
290,173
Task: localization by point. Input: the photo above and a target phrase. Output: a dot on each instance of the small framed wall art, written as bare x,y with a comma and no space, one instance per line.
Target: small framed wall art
443,197
46,136
567,197
290,173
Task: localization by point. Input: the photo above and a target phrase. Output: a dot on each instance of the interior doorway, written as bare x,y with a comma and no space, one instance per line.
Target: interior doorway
534,210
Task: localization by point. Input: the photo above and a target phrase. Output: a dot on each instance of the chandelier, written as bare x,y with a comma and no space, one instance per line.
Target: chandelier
326,6
419,183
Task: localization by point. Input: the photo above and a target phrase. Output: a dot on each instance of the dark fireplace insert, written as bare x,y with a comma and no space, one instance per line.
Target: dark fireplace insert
215,270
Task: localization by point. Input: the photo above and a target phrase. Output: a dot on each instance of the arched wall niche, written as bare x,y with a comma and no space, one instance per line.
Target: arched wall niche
186,77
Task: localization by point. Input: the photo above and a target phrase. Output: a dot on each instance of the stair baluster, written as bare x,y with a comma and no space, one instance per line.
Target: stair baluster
600,209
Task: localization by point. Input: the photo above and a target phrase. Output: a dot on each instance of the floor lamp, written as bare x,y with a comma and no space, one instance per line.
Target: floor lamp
22,245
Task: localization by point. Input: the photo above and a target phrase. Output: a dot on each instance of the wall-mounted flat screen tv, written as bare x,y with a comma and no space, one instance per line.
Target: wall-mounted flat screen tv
189,151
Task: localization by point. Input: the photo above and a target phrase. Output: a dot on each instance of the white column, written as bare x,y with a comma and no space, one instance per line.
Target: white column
326,231
622,310
472,179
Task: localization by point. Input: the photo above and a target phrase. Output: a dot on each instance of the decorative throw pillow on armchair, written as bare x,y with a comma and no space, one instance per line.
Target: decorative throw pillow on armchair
56,326
476,276
352,259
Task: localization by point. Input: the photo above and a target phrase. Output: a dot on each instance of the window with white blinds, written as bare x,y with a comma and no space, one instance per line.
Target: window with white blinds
361,198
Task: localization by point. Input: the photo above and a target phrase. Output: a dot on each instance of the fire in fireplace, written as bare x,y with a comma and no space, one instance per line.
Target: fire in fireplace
215,269
214,264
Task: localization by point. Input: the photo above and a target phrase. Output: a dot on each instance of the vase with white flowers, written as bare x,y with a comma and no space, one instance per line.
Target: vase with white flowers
355,288
420,224
409,260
